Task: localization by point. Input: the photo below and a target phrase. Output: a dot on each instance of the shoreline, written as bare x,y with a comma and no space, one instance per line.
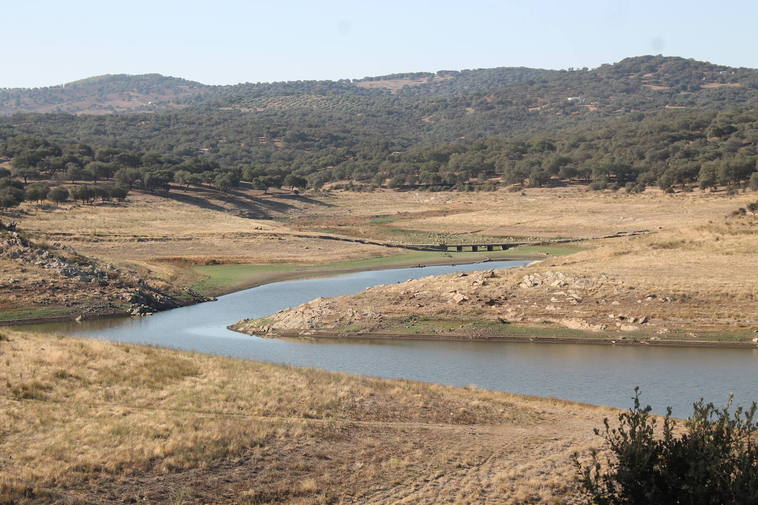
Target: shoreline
307,273
323,335
272,277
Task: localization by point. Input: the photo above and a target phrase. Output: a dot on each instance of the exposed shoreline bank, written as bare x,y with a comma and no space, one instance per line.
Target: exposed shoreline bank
308,272
280,276
327,336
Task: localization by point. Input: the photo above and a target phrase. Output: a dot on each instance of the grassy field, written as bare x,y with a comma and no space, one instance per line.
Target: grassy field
86,421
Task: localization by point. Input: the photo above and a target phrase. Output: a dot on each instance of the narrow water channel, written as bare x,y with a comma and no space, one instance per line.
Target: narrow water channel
598,374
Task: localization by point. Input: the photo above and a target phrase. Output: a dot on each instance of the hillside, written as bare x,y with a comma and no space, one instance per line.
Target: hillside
649,120
105,94
87,421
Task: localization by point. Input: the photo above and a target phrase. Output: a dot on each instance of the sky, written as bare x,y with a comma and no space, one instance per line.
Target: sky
231,41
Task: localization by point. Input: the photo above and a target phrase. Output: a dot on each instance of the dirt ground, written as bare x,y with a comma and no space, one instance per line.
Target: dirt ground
86,421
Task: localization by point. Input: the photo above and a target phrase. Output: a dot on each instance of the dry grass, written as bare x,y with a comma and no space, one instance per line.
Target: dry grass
195,226
696,249
697,282
91,421
574,212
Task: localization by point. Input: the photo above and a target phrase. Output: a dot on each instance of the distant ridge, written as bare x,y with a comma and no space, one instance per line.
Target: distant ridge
635,83
634,76
105,94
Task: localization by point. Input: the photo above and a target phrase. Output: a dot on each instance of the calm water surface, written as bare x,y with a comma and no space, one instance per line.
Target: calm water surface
598,374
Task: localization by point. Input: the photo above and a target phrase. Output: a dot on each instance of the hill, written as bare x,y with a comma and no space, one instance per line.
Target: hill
105,94
644,120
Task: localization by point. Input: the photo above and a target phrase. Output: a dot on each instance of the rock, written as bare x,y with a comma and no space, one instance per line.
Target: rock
459,298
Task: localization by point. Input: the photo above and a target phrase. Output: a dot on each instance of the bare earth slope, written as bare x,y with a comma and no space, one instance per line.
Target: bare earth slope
50,279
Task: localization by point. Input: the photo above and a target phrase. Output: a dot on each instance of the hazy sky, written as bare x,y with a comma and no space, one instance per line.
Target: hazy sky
229,41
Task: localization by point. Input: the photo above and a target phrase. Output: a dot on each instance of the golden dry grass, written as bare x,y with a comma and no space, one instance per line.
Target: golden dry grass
577,213
90,421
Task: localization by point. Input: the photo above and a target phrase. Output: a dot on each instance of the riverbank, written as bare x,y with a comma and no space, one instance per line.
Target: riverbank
530,334
222,243
694,285
100,422
49,281
228,278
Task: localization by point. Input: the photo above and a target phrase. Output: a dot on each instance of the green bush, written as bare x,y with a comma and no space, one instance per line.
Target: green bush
712,461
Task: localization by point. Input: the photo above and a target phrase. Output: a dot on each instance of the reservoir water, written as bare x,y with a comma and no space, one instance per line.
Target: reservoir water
598,374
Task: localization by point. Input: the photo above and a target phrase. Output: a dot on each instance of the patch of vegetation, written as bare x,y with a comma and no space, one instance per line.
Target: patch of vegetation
35,313
220,278
713,460
610,127
382,219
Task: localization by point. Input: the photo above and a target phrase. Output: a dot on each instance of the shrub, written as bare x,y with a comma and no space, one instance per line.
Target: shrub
713,461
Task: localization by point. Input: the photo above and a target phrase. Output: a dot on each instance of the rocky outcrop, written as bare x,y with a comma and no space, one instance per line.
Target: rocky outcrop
598,303
122,288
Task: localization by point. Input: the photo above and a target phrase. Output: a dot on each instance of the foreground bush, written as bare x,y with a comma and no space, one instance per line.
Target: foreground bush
713,460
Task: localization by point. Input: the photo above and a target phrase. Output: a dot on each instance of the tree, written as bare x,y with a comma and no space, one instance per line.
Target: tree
74,172
754,181
707,176
36,192
97,170
83,193
25,173
714,461
225,181
58,195
119,192
126,177
182,177
10,196
295,181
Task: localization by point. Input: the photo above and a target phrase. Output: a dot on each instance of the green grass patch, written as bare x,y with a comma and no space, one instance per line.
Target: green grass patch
218,279
35,313
382,219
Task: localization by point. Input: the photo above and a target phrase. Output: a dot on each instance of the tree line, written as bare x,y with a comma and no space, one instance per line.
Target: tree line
674,150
